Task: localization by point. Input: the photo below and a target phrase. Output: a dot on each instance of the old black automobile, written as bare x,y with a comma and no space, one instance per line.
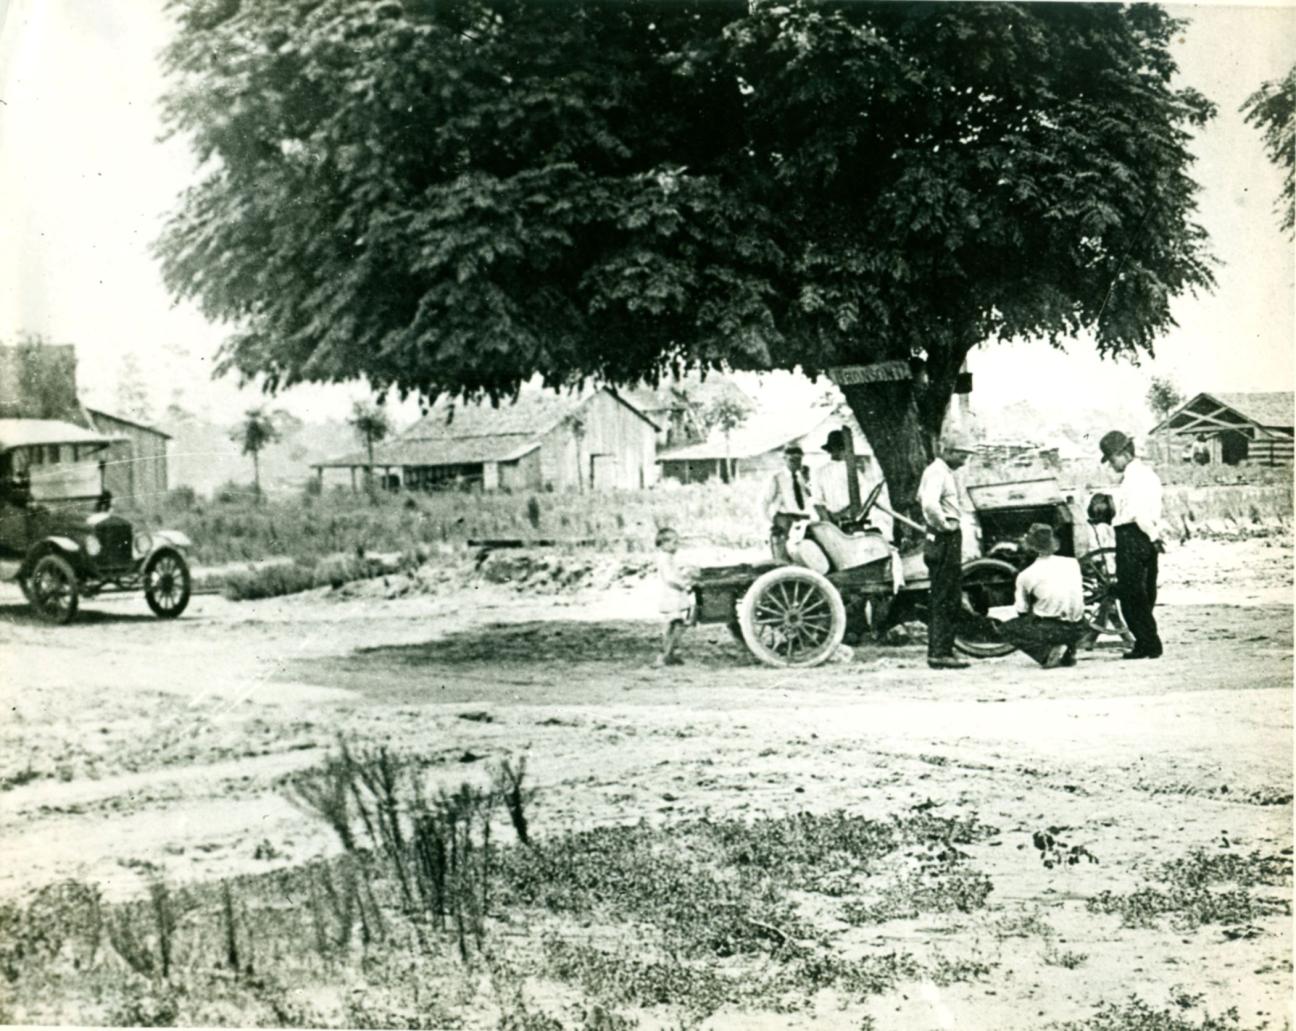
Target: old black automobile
57,519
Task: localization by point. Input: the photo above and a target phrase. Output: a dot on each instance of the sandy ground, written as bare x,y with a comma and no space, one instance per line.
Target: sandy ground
129,741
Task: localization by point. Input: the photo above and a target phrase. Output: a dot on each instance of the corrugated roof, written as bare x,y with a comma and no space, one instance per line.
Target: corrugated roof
502,447
535,412
1273,408
31,432
96,414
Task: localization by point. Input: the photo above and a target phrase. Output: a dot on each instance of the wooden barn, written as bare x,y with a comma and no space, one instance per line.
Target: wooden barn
38,381
135,465
595,440
1227,429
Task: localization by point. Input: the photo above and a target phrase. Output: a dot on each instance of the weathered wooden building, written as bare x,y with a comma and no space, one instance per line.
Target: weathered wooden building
38,381
594,440
1228,429
135,464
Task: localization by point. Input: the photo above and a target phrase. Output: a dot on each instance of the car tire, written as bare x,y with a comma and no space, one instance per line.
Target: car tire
53,590
167,584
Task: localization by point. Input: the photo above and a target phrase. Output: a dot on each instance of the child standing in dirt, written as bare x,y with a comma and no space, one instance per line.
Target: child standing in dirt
676,598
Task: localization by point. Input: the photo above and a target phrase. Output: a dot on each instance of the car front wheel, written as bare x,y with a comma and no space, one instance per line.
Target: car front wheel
52,589
166,584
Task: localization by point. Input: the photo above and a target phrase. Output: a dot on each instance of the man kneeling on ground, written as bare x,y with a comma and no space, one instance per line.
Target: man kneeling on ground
1050,603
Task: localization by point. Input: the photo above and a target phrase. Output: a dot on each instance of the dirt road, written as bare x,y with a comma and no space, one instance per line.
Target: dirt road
127,742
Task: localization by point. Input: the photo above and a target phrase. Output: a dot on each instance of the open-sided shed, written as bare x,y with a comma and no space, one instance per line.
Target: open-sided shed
1227,428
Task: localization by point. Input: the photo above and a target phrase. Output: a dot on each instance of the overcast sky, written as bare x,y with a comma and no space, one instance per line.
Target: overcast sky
84,183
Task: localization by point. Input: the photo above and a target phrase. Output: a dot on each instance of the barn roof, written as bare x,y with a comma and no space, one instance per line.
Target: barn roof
1271,409
454,433
535,412
96,415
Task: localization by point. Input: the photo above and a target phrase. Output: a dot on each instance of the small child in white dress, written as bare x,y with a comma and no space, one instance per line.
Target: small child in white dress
676,597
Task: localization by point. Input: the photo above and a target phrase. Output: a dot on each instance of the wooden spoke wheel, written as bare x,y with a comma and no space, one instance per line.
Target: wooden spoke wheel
989,591
1102,609
52,589
792,616
166,584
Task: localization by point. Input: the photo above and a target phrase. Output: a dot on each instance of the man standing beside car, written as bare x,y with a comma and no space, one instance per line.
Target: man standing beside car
1138,542
942,510
787,498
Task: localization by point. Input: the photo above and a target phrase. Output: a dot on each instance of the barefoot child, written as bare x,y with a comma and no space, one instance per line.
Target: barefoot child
1101,535
676,595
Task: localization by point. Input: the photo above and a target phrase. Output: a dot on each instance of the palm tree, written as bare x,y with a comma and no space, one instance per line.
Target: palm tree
372,425
727,413
256,431
575,424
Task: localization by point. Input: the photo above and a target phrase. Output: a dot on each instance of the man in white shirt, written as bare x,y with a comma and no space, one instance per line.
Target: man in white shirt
1050,603
942,509
831,494
787,497
1138,542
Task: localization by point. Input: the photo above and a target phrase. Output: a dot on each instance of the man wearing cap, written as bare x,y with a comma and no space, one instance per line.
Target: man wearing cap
831,495
786,497
1050,603
942,510
1138,542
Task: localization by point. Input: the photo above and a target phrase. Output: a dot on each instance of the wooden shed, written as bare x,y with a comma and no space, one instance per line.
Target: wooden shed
135,464
1228,429
593,440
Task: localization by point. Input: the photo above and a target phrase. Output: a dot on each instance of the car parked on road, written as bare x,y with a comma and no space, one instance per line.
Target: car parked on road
58,520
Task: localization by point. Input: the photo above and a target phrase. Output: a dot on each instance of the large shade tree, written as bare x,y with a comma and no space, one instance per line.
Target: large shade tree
454,196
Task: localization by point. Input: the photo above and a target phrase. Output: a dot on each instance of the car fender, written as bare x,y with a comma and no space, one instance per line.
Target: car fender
65,546
170,538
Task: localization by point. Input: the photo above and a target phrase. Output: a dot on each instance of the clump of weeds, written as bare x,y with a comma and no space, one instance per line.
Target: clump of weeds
1134,1014
1187,892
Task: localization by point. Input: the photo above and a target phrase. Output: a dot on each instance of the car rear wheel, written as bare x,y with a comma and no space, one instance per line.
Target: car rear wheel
52,589
166,584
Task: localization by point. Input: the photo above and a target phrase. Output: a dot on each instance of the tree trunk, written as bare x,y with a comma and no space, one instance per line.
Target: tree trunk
902,421
256,474
728,478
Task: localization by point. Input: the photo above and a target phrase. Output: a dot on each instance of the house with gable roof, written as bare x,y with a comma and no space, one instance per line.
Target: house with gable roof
1232,429
593,439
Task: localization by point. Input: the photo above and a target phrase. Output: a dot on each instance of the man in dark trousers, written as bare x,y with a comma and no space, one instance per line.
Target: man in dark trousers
1049,601
1138,542
942,509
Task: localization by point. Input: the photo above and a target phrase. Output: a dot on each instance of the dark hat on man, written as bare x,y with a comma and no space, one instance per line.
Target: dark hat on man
836,441
792,448
1040,539
1114,443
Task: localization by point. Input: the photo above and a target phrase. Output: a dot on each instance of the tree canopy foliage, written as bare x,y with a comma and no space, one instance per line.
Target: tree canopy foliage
457,195
1272,110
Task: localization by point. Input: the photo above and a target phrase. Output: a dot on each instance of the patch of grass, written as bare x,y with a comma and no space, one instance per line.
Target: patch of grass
1136,1015
1188,895
1188,908
1201,867
1053,957
946,971
17,780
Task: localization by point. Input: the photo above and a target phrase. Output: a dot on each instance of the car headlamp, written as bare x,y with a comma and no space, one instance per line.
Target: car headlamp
143,544
93,545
